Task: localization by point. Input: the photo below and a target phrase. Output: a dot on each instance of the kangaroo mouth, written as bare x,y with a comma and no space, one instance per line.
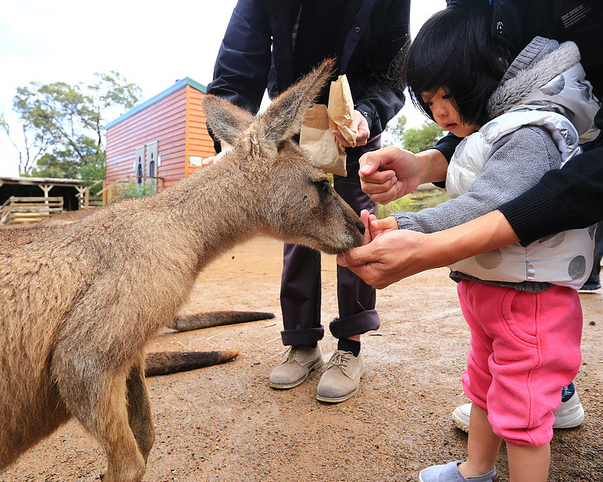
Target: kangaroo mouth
337,247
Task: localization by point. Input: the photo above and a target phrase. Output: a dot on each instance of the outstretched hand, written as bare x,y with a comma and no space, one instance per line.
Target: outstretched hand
373,261
391,256
374,227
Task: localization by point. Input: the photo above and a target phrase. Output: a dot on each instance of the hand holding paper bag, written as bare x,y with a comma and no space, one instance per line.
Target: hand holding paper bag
316,133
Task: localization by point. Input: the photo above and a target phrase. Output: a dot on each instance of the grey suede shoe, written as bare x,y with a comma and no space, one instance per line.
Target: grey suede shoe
300,361
450,473
341,378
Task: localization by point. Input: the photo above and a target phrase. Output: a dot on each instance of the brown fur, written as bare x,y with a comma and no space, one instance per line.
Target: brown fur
79,301
165,362
216,318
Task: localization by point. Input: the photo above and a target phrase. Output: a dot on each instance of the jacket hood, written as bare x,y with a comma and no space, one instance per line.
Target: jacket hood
548,76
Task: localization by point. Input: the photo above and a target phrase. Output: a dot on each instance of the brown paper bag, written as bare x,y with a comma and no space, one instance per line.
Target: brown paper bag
316,131
341,108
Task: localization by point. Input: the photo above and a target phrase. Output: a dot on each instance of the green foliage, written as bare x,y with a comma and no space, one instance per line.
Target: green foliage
63,125
395,128
132,190
419,139
415,139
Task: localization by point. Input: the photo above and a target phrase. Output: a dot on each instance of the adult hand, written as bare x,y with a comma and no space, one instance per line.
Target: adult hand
389,257
226,148
373,262
390,173
360,126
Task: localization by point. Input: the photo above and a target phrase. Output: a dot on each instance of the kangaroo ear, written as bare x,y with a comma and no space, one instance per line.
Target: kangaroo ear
287,111
227,121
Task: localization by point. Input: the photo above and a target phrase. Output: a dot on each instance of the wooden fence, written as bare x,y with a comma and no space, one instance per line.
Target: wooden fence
29,210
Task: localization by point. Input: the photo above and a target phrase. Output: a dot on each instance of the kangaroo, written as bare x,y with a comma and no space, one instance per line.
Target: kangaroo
78,302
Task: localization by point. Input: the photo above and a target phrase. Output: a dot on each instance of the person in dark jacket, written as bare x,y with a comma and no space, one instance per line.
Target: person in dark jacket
268,45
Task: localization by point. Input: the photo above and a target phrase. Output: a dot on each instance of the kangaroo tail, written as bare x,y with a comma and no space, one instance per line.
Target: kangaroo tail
162,363
216,318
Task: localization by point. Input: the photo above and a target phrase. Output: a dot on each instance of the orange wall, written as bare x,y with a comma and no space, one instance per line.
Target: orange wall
200,143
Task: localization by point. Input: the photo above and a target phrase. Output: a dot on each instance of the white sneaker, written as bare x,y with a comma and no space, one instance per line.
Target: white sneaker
570,413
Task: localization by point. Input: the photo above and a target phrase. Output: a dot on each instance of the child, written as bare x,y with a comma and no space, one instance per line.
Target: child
520,117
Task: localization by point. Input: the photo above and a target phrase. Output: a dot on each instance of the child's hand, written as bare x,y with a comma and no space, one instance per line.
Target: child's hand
375,227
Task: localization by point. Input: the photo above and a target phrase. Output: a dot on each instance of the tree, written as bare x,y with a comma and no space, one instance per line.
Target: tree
418,139
63,125
30,150
395,130
415,139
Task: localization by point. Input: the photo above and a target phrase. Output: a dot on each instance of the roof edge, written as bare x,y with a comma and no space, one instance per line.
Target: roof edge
38,180
170,90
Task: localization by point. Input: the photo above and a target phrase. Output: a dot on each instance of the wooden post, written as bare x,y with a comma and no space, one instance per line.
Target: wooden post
46,188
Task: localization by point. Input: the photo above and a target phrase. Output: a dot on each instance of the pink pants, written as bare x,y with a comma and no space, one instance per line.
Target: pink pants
525,347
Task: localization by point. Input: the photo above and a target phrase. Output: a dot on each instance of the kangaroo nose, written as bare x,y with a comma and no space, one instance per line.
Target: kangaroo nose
360,226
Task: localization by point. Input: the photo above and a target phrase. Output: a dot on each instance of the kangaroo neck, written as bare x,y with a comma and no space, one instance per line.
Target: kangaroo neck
215,207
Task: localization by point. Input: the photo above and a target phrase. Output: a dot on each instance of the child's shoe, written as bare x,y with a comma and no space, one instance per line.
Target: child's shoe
450,473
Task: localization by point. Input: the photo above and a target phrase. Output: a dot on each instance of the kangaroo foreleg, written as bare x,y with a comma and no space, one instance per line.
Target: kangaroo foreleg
96,396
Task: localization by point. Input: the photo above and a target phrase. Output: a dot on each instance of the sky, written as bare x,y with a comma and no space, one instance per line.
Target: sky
149,43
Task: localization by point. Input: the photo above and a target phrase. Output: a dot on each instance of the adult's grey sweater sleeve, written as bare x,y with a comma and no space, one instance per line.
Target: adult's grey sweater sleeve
515,163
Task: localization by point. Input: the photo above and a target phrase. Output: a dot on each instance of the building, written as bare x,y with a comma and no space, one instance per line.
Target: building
165,137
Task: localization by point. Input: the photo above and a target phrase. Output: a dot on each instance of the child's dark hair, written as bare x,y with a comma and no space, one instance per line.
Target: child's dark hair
454,50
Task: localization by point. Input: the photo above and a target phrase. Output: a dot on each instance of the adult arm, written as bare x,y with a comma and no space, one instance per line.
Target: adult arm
243,62
514,164
567,198
372,45
395,255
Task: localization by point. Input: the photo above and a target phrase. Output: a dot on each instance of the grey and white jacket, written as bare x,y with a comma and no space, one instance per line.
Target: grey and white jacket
542,109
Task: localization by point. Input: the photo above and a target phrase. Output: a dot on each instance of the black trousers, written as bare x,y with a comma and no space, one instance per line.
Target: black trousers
301,281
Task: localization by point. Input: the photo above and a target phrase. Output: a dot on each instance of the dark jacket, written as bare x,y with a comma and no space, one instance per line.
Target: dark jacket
571,197
256,54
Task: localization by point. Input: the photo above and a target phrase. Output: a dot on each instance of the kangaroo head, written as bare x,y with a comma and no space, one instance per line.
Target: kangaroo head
294,198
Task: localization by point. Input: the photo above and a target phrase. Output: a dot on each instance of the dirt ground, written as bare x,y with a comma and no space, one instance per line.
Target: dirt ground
224,423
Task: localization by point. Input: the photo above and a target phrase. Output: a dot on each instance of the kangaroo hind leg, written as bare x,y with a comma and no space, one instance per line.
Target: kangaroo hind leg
139,409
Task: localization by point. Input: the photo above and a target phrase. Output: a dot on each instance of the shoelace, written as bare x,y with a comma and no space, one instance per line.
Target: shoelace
291,354
340,358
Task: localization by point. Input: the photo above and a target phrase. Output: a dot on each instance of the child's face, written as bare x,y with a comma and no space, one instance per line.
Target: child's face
446,114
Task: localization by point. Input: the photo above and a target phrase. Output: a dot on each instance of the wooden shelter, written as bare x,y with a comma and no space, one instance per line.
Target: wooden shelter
26,200
162,140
